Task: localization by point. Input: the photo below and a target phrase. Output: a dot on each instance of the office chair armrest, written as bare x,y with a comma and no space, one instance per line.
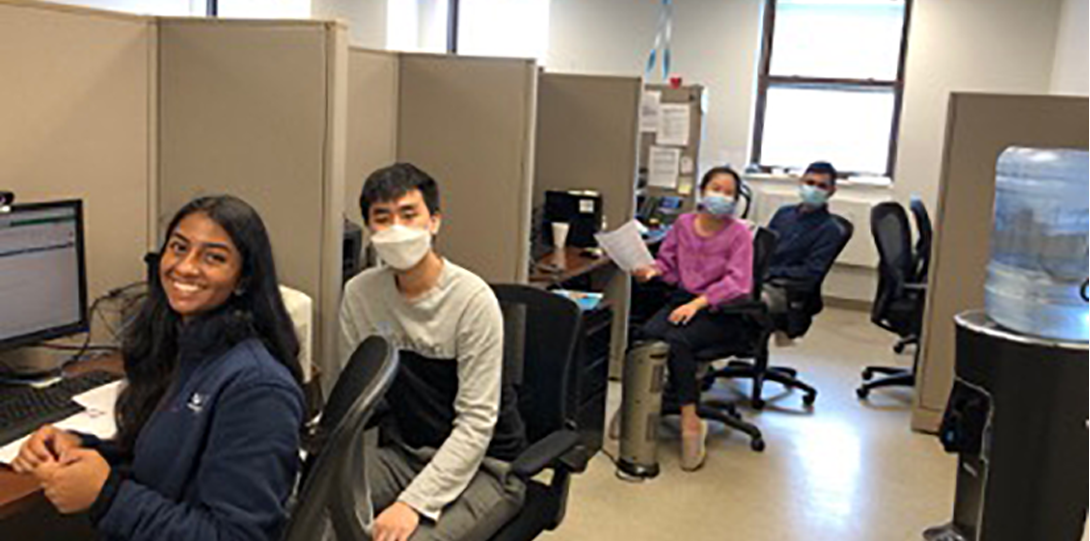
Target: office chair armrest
544,454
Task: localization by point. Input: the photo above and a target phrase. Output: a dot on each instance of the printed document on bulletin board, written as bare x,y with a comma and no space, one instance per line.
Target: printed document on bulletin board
674,124
650,111
663,165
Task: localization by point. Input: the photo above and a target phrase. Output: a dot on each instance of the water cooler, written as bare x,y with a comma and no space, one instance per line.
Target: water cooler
1017,416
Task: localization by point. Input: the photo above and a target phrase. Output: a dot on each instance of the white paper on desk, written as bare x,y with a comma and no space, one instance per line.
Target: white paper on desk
650,111
625,247
675,124
662,165
98,419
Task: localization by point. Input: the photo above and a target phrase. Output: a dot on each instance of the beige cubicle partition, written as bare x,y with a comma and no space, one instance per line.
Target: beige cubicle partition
76,121
980,127
257,110
588,139
469,122
372,120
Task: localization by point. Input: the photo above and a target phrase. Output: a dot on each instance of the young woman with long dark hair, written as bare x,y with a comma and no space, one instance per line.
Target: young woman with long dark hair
209,420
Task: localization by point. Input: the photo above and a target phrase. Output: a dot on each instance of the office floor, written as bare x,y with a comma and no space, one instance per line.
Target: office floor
846,472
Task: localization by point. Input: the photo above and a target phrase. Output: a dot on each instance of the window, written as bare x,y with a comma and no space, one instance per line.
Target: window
511,28
831,84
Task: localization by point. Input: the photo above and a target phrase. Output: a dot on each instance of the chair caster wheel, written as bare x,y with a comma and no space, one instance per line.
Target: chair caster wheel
868,375
759,404
862,393
758,446
809,400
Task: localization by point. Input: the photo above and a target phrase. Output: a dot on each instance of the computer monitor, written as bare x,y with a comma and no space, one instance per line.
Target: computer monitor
43,275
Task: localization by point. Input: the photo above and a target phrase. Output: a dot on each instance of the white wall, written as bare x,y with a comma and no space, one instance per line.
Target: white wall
1069,75
366,19
143,7
994,46
716,44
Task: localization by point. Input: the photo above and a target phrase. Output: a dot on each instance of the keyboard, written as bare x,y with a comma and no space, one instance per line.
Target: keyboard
25,409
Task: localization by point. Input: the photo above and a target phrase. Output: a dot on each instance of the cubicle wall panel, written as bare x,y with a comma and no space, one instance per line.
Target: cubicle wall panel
980,128
247,108
75,117
469,123
588,139
372,120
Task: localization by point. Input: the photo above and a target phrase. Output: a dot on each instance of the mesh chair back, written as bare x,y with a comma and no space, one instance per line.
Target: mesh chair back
334,486
923,244
541,331
764,248
889,224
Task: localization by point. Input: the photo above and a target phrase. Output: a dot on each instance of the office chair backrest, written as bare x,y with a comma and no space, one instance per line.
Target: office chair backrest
924,242
893,237
764,248
815,302
333,477
541,332
745,194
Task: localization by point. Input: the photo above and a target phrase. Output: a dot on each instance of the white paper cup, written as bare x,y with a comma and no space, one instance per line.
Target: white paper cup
560,235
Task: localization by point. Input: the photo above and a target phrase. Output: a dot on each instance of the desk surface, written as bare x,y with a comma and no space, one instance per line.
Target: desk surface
20,492
572,264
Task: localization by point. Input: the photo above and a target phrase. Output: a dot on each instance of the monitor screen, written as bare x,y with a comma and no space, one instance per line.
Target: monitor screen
43,285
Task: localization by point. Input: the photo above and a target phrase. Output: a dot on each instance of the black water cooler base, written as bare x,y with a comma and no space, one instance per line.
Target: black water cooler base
1018,420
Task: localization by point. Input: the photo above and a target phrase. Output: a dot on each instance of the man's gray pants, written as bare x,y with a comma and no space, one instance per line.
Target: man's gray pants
492,499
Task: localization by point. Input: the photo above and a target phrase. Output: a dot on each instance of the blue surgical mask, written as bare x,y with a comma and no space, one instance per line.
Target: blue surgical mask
813,196
718,205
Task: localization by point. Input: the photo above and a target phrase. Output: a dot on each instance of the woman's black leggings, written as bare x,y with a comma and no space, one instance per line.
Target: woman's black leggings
707,329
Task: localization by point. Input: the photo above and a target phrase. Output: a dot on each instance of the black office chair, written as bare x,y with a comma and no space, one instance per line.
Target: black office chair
805,299
541,337
925,240
334,470
758,370
900,300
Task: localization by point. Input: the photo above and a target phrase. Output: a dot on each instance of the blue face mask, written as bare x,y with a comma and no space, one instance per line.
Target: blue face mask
812,196
718,205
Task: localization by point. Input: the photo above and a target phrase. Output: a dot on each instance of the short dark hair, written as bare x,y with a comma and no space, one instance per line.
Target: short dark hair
823,168
393,182
724,170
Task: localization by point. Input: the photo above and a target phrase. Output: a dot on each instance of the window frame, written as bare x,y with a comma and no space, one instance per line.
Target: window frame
766,81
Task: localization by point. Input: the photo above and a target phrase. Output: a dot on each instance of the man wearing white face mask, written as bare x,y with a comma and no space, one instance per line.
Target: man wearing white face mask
809,238
452,425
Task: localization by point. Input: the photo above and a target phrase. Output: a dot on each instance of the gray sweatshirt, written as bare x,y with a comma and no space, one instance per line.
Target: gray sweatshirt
450,393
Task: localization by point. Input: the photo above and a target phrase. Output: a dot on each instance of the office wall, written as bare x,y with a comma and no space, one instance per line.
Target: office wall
716,44
144,7
469,122
257,110
76,119
366,18
372,120
1069,75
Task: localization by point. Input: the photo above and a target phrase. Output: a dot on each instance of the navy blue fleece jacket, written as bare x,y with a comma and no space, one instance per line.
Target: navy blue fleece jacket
217,461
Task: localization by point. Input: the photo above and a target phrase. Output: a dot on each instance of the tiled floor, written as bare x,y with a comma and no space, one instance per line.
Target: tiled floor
846,472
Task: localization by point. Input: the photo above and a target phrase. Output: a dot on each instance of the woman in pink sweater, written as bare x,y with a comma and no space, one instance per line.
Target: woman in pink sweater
708,257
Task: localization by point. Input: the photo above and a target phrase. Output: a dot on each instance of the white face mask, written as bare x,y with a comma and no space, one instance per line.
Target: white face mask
402,248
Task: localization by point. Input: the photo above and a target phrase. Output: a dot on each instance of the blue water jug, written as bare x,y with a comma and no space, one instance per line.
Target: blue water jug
1037,277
